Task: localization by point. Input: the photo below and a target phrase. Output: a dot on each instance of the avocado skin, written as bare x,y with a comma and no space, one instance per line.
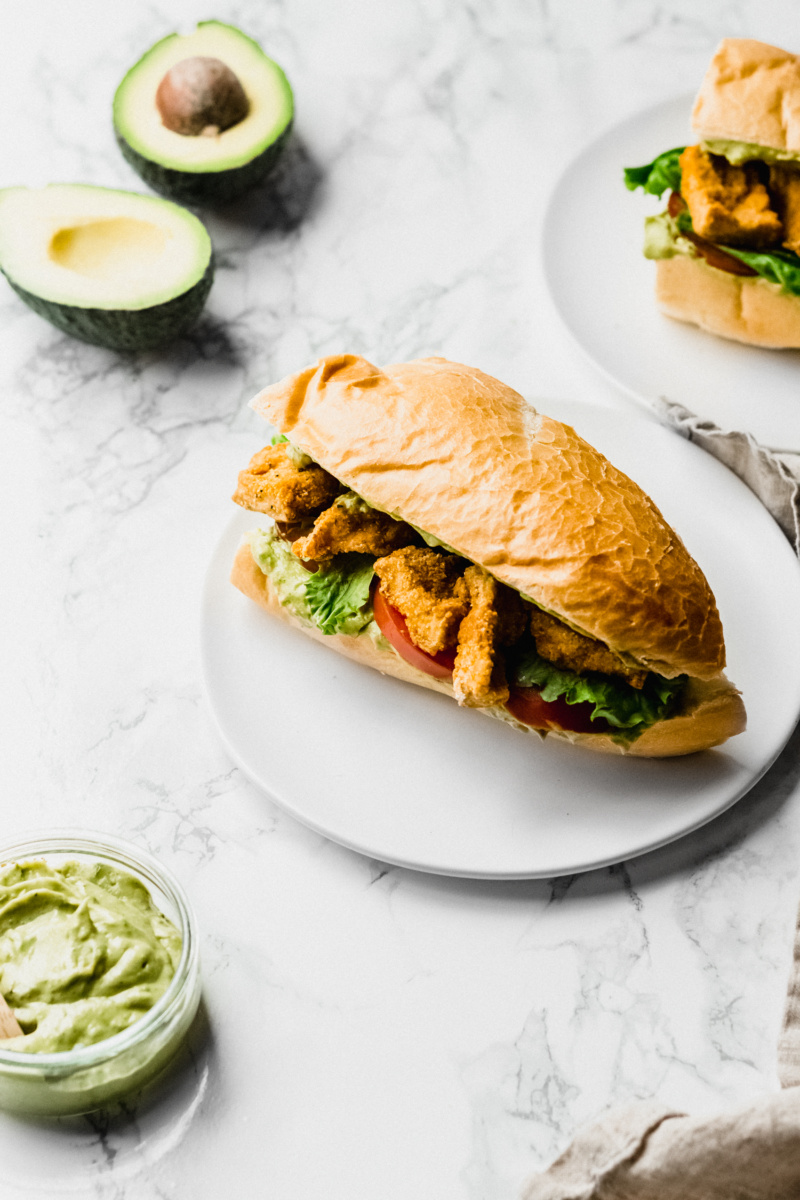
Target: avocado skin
125,329
204,188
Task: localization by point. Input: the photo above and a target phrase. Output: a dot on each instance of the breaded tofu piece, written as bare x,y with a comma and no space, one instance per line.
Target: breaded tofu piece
496,618
340,530
784,183
565,648
429,590
728,204
272,484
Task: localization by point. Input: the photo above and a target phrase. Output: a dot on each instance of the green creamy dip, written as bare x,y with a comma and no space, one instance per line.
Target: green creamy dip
740,152
84,953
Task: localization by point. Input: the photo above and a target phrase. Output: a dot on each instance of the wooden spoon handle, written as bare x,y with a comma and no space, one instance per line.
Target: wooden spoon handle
9,1026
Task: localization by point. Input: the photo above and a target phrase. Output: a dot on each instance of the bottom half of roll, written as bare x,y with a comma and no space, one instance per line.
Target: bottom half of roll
744,308
707,714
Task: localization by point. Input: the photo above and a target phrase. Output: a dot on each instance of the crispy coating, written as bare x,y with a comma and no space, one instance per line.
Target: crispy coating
728,204
496,618
272,484
565,648
784,183
429,590
339,530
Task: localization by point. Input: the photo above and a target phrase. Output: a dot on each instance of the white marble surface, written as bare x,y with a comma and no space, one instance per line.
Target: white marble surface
373,1032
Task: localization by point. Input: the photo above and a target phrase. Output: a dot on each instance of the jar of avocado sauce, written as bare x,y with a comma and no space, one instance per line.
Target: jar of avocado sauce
99,963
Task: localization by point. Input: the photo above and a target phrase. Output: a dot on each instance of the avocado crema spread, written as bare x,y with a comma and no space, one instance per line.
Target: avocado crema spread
741,152
84,953
338,601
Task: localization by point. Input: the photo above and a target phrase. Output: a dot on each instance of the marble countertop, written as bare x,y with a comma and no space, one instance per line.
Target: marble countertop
371,1031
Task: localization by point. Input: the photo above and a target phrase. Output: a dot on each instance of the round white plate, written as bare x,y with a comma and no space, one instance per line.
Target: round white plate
406,776
602,286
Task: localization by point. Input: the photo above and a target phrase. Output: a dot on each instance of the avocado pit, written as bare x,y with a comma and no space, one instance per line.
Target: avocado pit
201,96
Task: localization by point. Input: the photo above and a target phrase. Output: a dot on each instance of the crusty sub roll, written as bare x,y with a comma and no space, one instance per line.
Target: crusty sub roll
733,306
713,710
465,458
750,93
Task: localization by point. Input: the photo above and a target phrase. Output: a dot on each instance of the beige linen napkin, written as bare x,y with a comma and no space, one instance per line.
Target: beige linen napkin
647,1151
650,1153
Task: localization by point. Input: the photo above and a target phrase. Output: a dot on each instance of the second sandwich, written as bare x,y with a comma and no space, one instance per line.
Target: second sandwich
727,246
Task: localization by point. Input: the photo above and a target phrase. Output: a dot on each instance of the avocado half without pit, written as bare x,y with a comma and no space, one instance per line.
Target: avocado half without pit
114,268
204,117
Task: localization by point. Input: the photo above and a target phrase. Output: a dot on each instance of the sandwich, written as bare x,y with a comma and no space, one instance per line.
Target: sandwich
426,521
726,246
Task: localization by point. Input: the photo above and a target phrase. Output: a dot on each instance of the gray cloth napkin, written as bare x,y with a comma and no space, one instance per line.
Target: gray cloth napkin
647,1151
774,476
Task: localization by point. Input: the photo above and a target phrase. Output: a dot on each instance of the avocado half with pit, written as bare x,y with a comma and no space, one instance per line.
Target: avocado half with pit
114,268
204,117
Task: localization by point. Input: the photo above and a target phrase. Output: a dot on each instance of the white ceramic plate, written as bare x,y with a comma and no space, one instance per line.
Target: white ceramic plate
405,776
602,286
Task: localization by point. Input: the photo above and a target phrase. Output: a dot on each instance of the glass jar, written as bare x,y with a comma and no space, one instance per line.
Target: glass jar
90,1077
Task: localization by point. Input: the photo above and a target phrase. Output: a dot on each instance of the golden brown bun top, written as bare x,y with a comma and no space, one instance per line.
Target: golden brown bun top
467,459
750,93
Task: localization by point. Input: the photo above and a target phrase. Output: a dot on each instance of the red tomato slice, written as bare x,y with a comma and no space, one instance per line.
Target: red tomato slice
676,204
715,257
392,625
527,705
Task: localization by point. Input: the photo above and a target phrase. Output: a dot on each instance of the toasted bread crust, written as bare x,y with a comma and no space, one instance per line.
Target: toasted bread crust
750,93
465,458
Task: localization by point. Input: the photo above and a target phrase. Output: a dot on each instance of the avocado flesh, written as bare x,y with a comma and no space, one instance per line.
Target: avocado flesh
110,267
204,169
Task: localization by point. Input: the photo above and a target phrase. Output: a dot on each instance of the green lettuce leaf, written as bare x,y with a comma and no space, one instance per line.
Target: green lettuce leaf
625,707
337,594
778,266
663,174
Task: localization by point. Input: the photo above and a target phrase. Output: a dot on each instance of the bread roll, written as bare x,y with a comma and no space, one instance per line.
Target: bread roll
750,93
465,458
740,307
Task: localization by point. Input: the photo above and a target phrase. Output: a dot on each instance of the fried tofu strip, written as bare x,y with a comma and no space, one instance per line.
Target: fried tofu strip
429,590
272,484
784,183
565,648
496,618
727,203
339,530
